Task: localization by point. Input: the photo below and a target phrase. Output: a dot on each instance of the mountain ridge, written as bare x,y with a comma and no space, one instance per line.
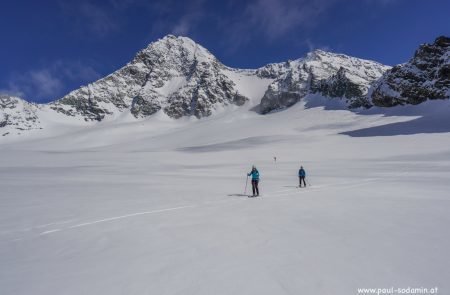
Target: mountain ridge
181,78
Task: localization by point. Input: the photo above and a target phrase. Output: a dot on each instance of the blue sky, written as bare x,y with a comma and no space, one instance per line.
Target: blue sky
50,47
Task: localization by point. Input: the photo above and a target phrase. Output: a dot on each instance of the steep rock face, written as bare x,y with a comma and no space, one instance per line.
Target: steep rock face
273,70
329,74
425,76
17,115
340,85
287,90
173,74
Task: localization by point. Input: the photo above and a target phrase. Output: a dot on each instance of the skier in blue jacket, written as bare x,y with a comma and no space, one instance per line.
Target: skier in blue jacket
255,179
301,176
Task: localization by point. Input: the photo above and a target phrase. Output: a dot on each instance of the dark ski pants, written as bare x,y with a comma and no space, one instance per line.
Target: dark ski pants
302,178
255,187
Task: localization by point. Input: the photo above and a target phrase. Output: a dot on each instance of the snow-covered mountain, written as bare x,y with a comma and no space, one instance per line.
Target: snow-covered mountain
332,75
174,75
182,78
178,77
425,76
18,115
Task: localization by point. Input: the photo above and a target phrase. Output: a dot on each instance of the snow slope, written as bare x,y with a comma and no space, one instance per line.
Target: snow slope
156,207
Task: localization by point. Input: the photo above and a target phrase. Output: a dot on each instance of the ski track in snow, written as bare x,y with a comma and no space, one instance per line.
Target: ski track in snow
273,195
37,226
268,195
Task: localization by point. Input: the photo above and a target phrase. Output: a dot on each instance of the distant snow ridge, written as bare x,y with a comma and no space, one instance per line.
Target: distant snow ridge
425,76
17,114
329,74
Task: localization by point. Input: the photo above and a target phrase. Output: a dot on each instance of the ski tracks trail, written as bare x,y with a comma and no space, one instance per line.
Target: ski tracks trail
65,225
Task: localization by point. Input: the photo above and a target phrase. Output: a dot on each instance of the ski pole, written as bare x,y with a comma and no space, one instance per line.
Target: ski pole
308,183
246,181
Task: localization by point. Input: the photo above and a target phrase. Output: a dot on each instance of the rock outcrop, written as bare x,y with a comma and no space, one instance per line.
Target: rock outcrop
17,114
425,76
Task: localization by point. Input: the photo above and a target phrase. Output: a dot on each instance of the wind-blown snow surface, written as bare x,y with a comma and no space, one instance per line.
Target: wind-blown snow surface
154,207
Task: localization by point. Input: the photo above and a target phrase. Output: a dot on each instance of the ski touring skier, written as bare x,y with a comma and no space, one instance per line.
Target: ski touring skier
301,176
255,179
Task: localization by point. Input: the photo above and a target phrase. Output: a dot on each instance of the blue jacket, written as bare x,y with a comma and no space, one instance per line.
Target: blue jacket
254,174
301,173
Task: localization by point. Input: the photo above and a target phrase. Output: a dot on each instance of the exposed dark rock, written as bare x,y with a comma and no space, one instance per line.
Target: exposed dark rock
340,86
143,107
15,113
425,76
4,122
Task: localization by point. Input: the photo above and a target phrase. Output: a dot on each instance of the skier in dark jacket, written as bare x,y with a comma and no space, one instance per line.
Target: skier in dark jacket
255,179
301,176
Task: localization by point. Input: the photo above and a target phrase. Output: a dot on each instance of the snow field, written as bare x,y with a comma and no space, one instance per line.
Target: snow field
153,207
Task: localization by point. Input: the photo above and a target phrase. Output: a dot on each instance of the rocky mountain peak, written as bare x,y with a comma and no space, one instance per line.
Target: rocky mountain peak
317,54
442,41
173,74
17,115
329,74
172,50
425,76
